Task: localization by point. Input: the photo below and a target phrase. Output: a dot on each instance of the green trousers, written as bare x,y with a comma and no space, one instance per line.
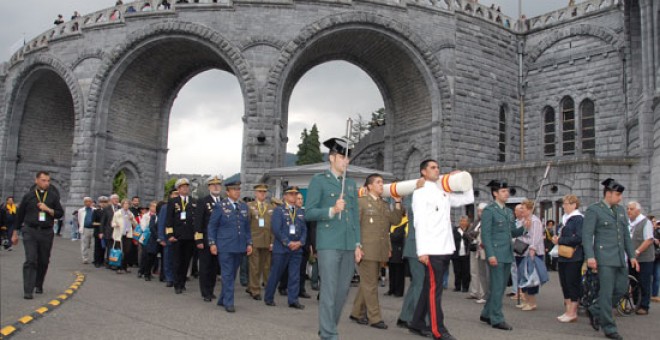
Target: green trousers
499,275
415,288
613,284
336,268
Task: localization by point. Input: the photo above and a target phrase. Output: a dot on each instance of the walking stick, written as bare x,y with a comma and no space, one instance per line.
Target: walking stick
349,127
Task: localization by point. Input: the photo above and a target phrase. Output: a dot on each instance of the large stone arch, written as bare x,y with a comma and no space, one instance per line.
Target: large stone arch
394,52
44,93
605,34
138,82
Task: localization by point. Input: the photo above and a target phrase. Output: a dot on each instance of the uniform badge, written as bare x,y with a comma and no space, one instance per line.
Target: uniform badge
371,220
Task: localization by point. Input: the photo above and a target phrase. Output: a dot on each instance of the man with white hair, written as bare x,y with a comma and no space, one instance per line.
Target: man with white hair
86,228
478,266
180,231
641,233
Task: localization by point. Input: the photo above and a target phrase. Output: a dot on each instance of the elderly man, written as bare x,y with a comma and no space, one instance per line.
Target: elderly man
180,232
461,258
208,263
86,227
478,267
606,241
641,233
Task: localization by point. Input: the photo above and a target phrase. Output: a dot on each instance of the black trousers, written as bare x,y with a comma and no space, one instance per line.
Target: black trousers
99,251
397,278
570,278
38,244
303,269
430,299
208,271
194,267
182,253
147,262
461,272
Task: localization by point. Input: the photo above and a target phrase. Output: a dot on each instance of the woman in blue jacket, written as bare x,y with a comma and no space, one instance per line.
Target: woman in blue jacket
570,269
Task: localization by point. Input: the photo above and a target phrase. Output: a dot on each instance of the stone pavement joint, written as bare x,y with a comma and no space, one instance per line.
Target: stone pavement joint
10,330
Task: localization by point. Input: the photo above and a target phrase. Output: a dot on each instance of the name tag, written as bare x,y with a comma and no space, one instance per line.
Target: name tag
42,216
183,216
292,229
262,223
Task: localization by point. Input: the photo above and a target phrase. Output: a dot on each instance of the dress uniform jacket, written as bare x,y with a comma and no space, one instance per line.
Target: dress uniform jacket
605,235
261,236
331,232
376,218
282,230
498,227
229,227
181,229
202,217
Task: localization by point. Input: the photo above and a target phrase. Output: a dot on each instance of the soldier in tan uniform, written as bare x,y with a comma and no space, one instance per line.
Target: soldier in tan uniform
260,212
375,221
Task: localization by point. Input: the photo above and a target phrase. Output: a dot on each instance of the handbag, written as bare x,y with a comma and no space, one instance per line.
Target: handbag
519,247
137,232
566,251
554,252
529,274
114,259
144,238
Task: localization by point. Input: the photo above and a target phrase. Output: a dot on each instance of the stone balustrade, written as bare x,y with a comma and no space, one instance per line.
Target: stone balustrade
567,13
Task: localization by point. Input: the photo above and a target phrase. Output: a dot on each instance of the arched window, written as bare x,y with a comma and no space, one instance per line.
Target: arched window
568,126
501,153
549,137
588,123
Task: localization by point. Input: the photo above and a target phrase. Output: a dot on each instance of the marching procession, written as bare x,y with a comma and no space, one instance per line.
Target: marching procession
345,233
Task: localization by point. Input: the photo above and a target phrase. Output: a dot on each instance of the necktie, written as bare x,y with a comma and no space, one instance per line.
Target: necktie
235,206
339,178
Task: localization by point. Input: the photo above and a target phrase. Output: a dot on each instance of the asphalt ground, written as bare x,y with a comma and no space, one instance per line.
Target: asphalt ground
111,306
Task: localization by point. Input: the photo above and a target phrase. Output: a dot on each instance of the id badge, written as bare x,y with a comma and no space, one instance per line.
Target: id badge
183,216
292,229
262,223
42,216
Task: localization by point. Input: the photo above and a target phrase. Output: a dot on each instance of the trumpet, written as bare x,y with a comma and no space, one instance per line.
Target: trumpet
458,182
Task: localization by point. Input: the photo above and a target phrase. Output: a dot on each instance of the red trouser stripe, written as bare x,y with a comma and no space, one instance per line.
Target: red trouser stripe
433,287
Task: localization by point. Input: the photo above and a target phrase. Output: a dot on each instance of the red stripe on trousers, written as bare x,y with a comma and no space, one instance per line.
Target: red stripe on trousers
433,287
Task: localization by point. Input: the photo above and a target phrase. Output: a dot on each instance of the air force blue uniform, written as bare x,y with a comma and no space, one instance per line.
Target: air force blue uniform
229,231
286,229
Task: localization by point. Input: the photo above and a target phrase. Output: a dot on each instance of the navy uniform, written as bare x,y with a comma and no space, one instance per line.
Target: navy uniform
288,225
208,263
606,238
180,225
229,231
498,227
337,237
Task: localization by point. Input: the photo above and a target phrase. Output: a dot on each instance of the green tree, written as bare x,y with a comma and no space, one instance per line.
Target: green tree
169,185
309,149
120,184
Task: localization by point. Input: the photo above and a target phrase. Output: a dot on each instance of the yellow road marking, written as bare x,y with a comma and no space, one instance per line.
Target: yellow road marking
7,330
26,319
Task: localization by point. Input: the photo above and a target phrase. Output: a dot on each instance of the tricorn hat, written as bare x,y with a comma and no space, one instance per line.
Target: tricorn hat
497,184
338,145
612,185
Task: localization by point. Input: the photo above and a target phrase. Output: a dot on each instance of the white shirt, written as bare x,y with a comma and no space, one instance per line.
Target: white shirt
638,223
432,209
461,250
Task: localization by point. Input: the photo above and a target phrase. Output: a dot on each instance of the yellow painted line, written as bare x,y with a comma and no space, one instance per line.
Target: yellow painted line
26,319
7,330
68,291
63,296
54,302
42,310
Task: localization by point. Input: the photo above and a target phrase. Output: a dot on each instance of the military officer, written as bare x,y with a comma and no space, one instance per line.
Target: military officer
290,232
180,231
230,239
337,234
208,263
260,213
498,227
606,241
376,217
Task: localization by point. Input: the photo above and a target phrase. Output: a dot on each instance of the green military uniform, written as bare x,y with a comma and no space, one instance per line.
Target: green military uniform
498,227
606,238
416,270
259,214
375,221
336,240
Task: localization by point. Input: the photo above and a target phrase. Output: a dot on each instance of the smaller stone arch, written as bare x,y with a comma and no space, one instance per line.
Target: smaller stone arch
414,156
606,35
267,40
88,54
134,174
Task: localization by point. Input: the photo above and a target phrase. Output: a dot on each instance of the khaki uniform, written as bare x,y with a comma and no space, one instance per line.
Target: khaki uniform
375,221
262,239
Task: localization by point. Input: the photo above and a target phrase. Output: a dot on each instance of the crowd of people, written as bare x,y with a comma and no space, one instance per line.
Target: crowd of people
276,244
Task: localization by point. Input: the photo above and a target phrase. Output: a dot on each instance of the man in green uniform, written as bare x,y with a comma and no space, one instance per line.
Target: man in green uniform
498,227
606,241
260,212
337,234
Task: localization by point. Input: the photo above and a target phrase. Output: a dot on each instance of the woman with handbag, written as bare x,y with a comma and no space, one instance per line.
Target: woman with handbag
149,226
533,240
123,223
571,257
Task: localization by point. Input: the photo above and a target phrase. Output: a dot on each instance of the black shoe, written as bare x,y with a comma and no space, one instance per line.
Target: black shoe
169,284
296,306
510,294
304,295
401,324
484,319
447,336
140,275
462,291
379,325
230,309
283,292
457,289
207,299
178,290
503,326
388,293
315,286
39,290
28,296
195,275
147,278
247,290
361,321
595,323
614,335
213,296
183,288
421,332
257,297
270,303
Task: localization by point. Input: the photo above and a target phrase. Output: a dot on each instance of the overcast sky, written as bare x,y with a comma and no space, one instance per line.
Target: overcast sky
335,90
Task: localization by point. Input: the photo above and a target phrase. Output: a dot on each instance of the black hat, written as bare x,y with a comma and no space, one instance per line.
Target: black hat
612,185
290,190
338,145
497,184
233,185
